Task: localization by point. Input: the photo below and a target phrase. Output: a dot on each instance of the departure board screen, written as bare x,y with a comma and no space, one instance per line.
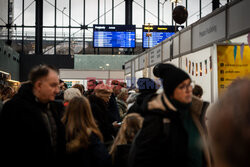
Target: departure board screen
158,34
114,36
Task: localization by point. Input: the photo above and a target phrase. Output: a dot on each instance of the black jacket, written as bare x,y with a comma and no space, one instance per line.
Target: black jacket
121,155
113,109
137,106
159,142
24,135
103,120
96,155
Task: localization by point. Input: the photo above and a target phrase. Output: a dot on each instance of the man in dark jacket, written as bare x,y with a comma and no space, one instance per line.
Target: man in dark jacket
30,128
146,87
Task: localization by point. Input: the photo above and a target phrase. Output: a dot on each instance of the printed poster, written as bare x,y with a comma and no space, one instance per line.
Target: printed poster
233,63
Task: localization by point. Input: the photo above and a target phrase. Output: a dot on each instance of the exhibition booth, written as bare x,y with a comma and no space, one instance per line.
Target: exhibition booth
214,51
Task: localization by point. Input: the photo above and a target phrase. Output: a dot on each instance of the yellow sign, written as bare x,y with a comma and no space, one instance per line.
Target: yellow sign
233,62
148,28
162,28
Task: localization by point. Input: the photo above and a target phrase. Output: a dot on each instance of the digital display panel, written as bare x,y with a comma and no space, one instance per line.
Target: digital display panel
114,36
158,34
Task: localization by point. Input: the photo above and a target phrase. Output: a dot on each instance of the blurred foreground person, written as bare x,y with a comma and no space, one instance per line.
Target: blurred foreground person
171,134
1,102
228,126
131,124
7,94
84,139
30,128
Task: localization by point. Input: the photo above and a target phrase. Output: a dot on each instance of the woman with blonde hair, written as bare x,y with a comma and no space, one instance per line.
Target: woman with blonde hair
119,151
84,139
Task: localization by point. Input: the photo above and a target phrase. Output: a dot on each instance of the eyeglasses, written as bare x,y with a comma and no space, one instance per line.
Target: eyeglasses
186,87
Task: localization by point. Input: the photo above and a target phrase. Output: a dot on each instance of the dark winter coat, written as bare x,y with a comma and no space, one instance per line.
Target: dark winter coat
96,155
113,109
1,105
24,135
104,122
121,155
162,141
137,106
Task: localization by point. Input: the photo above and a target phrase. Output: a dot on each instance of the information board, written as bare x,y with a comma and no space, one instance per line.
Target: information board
114,36
158,34
233,63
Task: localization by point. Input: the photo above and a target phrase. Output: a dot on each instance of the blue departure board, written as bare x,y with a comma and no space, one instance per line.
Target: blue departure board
114,36
158,34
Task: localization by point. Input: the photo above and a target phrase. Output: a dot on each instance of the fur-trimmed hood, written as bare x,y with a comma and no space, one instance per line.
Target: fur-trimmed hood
155,105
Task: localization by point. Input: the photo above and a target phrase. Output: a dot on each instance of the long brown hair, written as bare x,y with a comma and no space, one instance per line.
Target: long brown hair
79,124
131,124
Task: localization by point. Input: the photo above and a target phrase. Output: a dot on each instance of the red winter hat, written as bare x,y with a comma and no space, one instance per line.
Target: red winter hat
103,88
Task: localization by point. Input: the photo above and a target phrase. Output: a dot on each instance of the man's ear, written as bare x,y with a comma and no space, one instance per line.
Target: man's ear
38,84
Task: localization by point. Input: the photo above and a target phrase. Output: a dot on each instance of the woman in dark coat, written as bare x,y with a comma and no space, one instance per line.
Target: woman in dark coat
99,105
171,135
84,139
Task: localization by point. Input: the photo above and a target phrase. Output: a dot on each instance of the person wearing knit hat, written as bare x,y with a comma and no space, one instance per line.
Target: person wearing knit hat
69,94
171,132
146,87
171,77
103,91
99,102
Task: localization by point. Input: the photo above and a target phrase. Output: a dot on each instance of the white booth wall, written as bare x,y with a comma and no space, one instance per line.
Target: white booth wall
203,79
138,74
128,80
174,62
221,26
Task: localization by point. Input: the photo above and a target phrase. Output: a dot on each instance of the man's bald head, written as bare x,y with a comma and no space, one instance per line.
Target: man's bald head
229,126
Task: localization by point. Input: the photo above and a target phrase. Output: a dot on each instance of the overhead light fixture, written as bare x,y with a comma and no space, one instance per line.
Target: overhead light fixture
107,65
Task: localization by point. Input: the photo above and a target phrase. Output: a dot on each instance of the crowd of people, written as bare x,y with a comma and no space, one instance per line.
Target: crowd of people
46,122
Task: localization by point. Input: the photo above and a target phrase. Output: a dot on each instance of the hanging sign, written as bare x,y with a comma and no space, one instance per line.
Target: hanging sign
211,30
128,68
155,56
